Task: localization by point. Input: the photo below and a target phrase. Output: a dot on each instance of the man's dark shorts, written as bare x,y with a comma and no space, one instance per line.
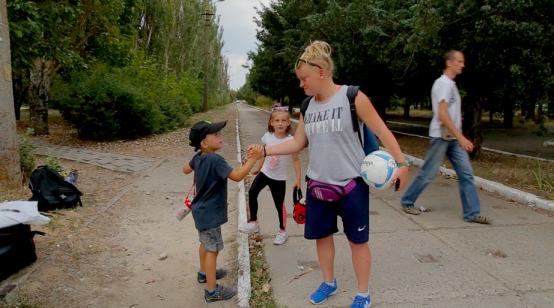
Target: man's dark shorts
321,216
211,239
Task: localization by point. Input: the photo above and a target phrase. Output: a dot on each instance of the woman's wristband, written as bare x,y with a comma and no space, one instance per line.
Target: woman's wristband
265,155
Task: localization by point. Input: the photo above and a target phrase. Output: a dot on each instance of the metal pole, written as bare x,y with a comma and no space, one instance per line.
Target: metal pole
10,170
206,56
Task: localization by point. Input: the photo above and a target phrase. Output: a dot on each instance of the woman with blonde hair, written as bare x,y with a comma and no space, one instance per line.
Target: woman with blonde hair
335,159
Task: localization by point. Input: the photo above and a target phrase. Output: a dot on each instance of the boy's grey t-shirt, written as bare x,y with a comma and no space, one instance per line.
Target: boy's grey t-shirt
335,150
209,206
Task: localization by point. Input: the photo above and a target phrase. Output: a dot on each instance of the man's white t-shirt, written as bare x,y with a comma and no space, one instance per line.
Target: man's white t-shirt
275,166
444,89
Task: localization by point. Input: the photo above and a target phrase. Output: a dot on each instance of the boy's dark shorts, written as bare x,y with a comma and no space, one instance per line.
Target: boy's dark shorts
321,216
211,239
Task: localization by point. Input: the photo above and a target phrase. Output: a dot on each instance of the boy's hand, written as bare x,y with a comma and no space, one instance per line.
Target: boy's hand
256,151
250,150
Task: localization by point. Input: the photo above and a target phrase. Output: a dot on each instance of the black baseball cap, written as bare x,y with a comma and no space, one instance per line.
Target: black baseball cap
199,131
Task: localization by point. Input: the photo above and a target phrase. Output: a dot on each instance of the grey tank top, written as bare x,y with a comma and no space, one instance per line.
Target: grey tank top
336,153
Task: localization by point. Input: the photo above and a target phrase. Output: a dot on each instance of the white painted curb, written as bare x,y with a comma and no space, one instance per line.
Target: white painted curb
484,149
408,124
244,286
508,192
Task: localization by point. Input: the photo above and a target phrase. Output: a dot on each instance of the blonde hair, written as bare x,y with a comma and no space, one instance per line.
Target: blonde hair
322,51
272,116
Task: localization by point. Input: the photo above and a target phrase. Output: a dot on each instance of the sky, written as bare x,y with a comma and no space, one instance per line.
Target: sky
239,34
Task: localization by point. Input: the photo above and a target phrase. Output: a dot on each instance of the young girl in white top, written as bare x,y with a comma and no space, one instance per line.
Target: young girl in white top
272,172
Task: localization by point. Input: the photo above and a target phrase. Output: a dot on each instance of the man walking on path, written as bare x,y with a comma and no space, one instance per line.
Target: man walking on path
447,139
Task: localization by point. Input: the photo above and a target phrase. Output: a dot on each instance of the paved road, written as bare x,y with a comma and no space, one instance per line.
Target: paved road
432,260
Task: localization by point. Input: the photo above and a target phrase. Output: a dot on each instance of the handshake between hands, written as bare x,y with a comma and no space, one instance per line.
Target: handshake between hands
255,151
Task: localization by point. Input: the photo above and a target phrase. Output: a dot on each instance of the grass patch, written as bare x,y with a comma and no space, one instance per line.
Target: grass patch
10,194
20,301
516,172
260,274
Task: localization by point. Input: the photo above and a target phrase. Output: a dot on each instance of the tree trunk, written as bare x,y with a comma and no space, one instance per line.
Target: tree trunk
491,117
19,93
472,126
551,110
509,114
40,76
407,104
10,168
530,111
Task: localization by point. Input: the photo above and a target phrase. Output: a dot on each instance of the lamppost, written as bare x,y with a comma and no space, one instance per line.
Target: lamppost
208,16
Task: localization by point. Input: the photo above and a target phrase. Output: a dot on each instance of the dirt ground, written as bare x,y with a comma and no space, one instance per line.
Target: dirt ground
113,261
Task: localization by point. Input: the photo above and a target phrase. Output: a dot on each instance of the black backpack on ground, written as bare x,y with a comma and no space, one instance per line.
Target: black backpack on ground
368,139
17,249
52,191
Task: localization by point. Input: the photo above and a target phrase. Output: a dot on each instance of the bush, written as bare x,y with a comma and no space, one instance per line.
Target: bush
53,162
111,103
26,159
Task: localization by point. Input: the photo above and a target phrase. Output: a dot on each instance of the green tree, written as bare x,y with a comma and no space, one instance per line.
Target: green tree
50,35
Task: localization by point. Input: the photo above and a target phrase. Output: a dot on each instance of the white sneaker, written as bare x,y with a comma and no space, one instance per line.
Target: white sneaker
281,238
251,227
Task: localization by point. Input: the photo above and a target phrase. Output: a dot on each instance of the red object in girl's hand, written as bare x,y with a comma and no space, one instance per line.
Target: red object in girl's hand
299,212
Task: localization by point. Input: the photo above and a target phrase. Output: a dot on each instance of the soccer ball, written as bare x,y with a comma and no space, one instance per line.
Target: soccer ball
378,169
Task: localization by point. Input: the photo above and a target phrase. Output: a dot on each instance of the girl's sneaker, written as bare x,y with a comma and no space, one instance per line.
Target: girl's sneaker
325,290
361,302
281,238
251,227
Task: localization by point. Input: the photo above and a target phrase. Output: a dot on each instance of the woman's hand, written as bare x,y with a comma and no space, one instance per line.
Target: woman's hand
256,172
402,176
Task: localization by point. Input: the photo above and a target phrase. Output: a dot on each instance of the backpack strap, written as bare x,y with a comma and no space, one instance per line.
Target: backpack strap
351,93
304,105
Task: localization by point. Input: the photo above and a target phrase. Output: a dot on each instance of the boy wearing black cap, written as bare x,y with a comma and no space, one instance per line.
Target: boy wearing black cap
209,206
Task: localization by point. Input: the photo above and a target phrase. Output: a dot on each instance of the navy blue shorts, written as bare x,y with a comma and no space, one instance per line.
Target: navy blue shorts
321,216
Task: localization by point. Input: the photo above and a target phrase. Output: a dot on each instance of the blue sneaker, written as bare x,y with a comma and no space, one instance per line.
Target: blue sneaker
361,302
324,291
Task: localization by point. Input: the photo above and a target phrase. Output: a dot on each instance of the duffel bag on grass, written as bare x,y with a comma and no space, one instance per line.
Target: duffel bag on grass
17,249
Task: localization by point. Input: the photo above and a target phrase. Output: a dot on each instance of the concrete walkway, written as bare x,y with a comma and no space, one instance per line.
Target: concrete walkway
432,260
110,161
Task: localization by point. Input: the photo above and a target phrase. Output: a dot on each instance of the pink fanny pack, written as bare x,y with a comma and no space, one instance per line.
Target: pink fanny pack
329,192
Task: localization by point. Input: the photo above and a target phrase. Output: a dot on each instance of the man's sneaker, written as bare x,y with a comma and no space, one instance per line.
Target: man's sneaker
251,227
221,293
412,210
481,220
220,273
361,302
324,291
281,238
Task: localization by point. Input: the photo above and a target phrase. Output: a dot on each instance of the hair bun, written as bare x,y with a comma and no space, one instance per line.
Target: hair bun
319,50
